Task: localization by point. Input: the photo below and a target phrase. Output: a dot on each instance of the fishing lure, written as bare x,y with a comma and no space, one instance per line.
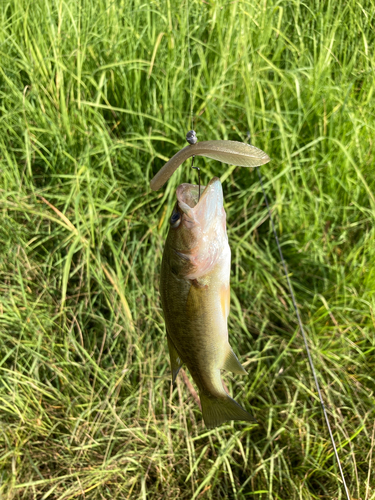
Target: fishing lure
232,152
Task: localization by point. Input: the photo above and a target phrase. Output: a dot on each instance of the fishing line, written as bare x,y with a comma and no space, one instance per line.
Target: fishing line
304,336
199,177
189,64
190,136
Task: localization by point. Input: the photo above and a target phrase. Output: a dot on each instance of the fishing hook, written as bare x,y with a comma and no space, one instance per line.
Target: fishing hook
199,177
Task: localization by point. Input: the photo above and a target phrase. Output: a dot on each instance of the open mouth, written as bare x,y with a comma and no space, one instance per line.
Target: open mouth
205,210
188,195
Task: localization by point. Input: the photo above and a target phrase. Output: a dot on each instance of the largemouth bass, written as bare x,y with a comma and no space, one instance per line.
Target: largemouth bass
195,296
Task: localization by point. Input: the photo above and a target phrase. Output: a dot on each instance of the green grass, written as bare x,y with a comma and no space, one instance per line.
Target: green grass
94,97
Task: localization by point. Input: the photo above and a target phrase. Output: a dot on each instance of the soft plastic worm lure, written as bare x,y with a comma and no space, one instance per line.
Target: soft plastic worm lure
232,152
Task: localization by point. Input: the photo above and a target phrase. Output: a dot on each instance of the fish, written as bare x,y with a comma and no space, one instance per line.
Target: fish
195,298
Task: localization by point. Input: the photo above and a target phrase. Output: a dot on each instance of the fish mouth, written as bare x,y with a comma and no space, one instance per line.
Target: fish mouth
210,200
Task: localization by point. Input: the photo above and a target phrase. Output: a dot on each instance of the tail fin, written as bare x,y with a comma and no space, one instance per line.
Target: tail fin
217,410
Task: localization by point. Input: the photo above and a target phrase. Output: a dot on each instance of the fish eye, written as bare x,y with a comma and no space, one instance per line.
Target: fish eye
175,220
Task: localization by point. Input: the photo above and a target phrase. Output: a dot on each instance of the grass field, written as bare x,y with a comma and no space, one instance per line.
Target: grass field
94,97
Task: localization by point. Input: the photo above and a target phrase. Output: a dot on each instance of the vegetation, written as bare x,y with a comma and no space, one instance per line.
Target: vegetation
94,97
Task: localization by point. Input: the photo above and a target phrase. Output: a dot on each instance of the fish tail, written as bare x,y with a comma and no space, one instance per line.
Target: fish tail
217,410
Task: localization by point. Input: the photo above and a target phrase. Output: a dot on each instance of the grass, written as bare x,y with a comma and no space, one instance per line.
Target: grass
94,97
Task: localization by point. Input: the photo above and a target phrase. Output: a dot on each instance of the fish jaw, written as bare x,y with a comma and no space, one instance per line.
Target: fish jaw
201,237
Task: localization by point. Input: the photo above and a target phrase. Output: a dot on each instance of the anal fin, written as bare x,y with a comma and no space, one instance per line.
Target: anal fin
176,361
232,364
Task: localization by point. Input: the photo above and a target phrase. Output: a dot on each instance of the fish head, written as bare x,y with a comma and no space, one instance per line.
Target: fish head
197,234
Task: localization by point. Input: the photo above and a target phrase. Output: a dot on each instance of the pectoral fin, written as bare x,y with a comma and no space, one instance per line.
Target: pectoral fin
176,361
232,364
